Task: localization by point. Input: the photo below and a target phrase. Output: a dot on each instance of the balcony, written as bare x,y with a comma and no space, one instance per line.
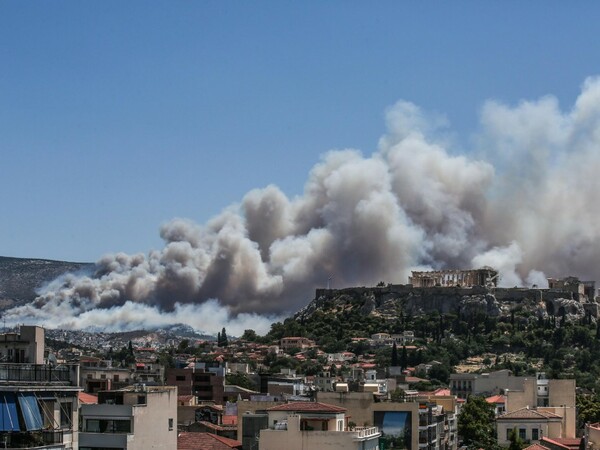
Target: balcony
47,439
34,373
365,432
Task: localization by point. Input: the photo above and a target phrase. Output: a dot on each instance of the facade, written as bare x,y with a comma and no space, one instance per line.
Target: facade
541,408
26,346
424,422
135,418
38,401
288,343
205,383
464,384
311,425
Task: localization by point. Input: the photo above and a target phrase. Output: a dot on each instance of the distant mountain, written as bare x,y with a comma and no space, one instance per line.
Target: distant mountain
20,278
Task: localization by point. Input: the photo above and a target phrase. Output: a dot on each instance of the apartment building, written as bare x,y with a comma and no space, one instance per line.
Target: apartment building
135,418
39,401
541,408
24,346
301,425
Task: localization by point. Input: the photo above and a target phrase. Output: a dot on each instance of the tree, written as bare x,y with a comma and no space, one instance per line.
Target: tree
222,340
394,355
476,424
516,443
404,358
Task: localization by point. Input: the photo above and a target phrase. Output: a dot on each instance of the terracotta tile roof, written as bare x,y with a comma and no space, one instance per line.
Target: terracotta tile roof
496,399
442,391
87,399
308,407
205,441
526,413
536,447
566,443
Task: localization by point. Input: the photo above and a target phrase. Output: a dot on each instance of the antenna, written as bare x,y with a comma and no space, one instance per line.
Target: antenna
329,282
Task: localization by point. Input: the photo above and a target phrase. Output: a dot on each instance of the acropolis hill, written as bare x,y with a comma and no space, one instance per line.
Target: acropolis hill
464,292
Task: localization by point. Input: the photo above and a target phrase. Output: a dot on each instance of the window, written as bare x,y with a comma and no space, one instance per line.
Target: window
103,376
508,433
141,400
180,377
116,378
535,434
66,414
523,433
170,424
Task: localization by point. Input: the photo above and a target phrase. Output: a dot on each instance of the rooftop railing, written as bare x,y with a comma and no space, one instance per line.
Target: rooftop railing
34,373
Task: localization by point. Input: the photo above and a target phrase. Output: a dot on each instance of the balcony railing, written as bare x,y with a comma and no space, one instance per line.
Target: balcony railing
365,432
34,373
31,439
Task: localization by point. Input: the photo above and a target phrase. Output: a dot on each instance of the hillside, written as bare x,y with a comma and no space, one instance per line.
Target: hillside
21,277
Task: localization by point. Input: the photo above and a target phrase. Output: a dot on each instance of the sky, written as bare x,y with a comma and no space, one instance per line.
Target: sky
116,117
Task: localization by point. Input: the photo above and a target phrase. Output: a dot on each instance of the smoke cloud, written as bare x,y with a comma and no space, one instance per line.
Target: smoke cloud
523,200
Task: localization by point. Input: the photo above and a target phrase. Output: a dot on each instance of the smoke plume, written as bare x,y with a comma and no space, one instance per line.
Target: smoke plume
523,200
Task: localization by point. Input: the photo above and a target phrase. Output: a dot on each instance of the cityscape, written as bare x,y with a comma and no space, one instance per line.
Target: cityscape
299,225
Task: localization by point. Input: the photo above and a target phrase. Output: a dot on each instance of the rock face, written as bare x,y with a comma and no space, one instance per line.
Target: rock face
389,301
21,277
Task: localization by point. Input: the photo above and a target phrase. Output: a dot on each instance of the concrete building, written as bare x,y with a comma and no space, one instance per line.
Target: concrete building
25,346
312,425
541,408
289,343
464,384
424,422
135,418
39,401
205,382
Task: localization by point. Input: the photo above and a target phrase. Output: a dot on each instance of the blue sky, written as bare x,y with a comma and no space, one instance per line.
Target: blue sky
116,117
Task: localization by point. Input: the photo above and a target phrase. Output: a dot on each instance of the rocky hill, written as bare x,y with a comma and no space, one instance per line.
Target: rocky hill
388,302
20,278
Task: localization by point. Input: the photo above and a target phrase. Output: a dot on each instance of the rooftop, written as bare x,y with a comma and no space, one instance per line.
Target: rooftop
205,441
308,407
527,413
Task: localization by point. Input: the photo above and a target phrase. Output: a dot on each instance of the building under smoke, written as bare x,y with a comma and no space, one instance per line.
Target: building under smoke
486,276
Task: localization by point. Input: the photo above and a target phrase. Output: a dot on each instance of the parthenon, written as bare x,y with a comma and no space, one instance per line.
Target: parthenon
465,278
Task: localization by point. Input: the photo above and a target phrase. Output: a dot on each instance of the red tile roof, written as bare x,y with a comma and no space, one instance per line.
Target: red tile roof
496,399
87,399
536,447
308,407
205,441
566,443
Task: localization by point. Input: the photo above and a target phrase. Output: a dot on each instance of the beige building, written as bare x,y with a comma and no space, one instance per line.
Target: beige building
289,343
26,346
135,418
541,408
423,422
312,425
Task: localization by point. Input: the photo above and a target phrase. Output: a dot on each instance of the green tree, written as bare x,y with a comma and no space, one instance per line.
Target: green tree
394,355
516,443
476,424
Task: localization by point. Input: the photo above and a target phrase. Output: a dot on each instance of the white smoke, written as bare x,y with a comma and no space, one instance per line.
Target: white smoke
522,201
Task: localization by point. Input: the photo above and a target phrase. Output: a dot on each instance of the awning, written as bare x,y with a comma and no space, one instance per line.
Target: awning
9,420
31,411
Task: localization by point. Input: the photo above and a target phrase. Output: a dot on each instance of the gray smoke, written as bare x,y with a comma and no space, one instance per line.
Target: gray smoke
523,201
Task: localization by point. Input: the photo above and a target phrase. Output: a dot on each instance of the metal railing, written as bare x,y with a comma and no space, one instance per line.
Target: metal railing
34,373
